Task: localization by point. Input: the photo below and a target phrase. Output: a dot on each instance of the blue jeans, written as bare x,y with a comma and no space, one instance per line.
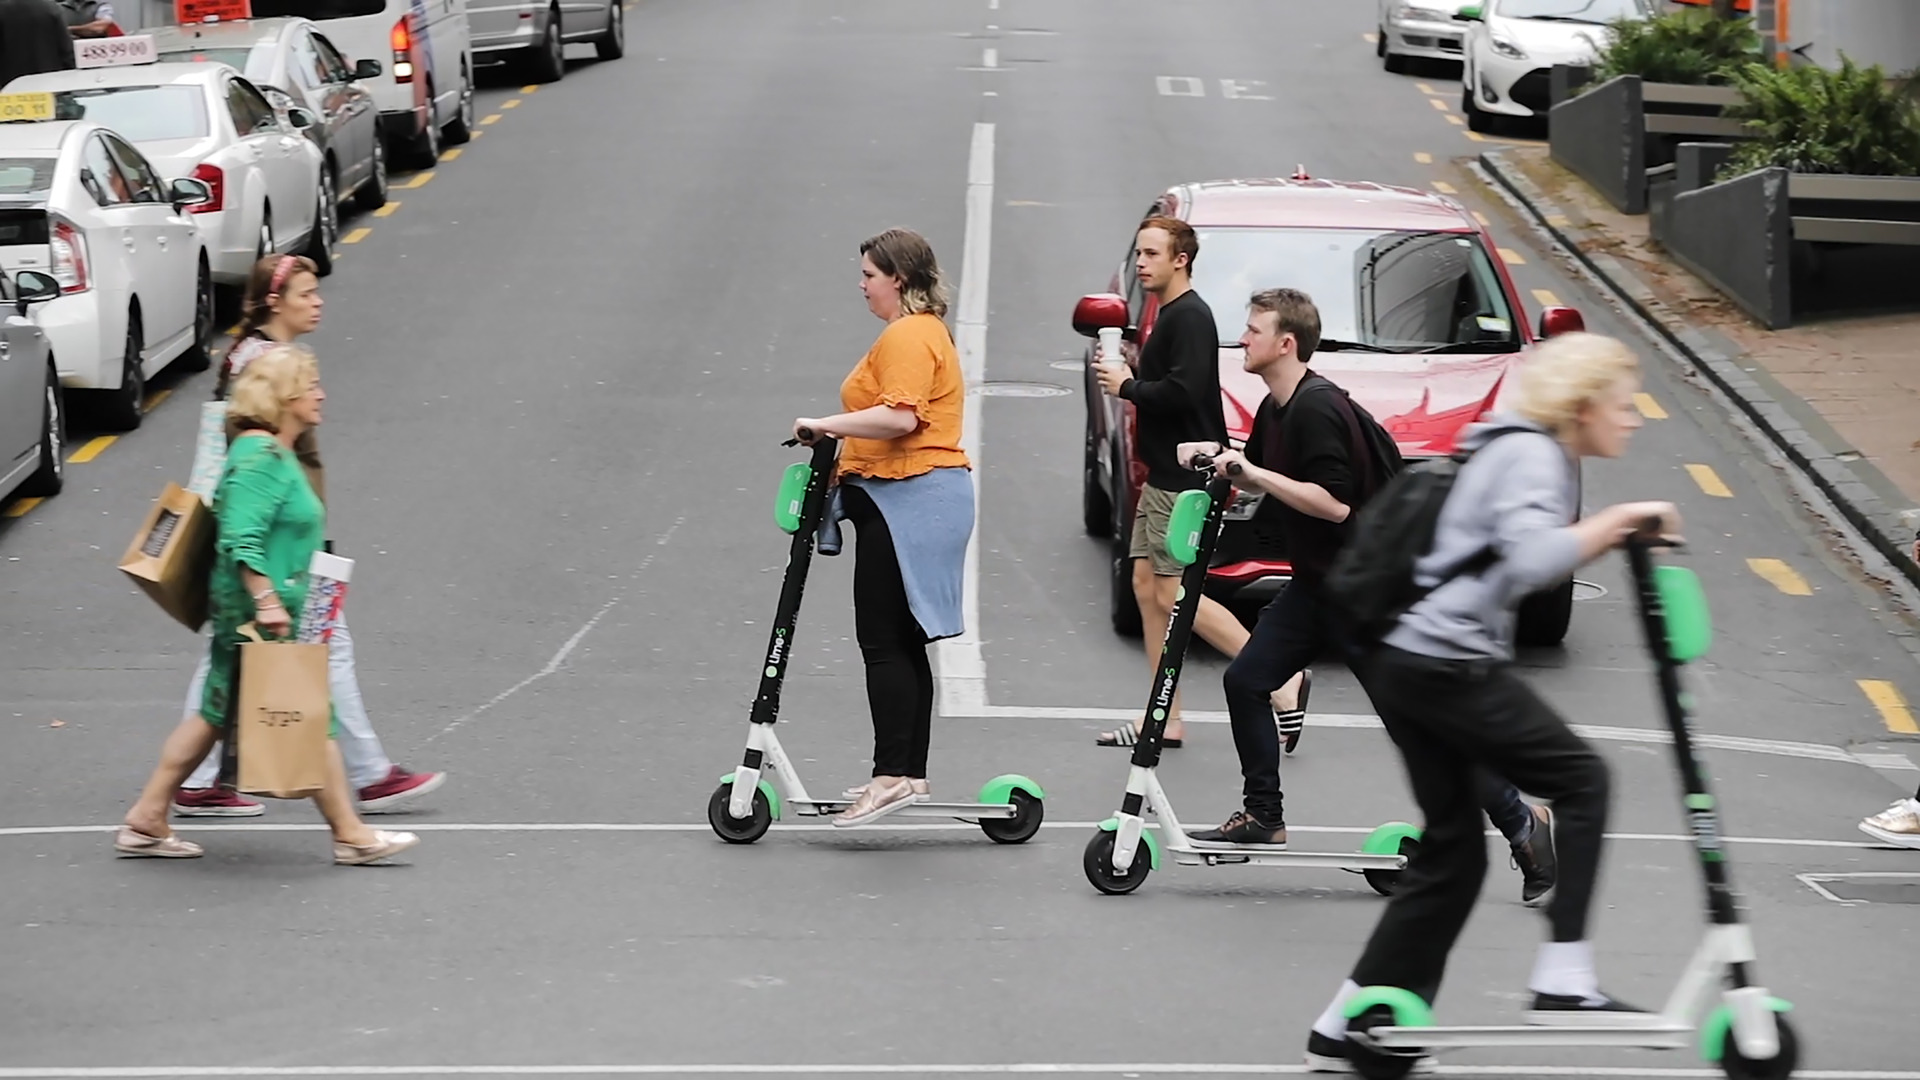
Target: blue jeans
367,762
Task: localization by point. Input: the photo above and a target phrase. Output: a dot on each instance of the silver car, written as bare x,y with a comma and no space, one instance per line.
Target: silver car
532,35
1418,28
33,422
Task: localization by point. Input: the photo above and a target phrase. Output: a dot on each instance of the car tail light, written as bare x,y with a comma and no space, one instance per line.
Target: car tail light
69,251
402,38
216,182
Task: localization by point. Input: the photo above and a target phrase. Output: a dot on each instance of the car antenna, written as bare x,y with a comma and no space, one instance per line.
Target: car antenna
1300,173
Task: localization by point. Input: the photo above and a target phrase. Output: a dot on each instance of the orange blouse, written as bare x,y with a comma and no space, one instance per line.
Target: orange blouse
914,362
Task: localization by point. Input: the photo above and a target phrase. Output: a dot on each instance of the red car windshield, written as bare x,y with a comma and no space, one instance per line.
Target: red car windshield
1389,291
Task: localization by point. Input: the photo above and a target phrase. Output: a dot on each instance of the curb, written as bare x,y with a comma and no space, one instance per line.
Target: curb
1840,480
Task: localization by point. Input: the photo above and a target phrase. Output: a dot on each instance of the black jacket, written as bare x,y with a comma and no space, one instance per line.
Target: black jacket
33,39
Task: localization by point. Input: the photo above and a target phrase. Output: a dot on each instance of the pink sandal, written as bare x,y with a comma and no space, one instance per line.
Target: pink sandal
131,841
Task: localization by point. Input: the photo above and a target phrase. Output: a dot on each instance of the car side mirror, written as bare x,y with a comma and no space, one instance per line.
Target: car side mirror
300,118
1100,311
187,191
1555,321
34,287
367,69
1470,13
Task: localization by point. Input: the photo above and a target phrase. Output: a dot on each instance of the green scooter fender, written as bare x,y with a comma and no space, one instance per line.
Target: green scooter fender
1112,824
773,797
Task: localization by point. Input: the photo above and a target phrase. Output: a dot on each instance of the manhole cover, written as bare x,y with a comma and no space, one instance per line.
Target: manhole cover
1016,388
1072,364
1876,888
1587,590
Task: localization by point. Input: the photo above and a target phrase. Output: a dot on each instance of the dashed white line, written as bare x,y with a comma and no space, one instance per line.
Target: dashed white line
990,57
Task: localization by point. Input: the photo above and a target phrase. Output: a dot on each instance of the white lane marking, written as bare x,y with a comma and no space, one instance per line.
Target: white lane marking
1188,86
1813,881
700,827
993,5
990,57
572,643
1741,744
1025,1068
961,665
1242,90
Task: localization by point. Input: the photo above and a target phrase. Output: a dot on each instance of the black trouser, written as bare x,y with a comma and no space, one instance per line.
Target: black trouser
1294,630
1452,720
899,675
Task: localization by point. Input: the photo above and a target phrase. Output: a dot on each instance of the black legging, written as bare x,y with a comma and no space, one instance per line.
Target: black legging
899,675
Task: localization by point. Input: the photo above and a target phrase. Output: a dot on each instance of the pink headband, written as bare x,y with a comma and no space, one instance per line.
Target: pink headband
280,274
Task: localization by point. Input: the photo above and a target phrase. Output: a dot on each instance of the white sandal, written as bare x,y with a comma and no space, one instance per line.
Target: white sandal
384,844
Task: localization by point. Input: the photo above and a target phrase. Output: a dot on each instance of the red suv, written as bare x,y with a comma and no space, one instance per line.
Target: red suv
1420,324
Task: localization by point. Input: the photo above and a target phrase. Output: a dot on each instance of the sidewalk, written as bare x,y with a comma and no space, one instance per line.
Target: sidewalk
1841,398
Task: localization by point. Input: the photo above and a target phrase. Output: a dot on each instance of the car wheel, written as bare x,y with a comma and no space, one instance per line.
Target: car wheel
613,45
325,237
460,132
547,61
51,476
1545,617
1096,508
373,192
197,358
1477,120
1380,42
125,406
264,246
1393,61
1126,606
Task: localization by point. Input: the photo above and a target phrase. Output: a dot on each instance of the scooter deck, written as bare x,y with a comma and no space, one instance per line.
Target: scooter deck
1209,853
964,811
1657,1033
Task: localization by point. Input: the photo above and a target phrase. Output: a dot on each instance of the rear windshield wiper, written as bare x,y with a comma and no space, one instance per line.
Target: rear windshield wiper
1336,345
1562,18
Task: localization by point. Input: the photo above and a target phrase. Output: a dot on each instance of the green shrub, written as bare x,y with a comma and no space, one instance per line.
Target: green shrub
1691,47
1815,120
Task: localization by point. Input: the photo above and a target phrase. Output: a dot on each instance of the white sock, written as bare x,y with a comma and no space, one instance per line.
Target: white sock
1333,1022
1566,968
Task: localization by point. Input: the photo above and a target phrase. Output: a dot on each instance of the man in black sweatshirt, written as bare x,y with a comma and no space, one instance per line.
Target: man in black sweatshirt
1176,399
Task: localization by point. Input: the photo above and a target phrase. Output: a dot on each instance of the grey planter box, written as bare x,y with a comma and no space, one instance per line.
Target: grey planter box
1611,134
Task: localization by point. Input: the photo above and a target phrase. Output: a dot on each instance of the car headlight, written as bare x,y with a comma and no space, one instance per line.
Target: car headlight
1507,47
1243,505
1415,13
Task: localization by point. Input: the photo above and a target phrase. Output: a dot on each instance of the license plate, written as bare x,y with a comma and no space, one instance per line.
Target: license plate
14,107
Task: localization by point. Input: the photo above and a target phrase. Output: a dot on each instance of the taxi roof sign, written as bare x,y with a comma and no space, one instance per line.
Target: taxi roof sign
15,108
114,51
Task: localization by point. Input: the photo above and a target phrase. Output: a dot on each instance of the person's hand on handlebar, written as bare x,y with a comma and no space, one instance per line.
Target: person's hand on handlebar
806,431
1648,522
1184,452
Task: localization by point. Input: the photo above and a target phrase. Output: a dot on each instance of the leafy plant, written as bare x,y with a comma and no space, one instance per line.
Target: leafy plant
1817,120
1690,46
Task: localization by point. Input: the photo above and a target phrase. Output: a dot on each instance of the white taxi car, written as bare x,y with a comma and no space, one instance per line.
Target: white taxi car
1512,46
1428,29
208,122
81,204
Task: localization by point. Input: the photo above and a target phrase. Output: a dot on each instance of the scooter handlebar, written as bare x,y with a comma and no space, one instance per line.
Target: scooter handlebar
1204,463
1648,536
805,433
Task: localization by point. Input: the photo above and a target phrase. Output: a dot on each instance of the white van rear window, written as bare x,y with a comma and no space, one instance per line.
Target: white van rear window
317,10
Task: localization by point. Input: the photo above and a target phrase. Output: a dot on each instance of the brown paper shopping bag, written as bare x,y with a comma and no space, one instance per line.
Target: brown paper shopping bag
171,557
280,718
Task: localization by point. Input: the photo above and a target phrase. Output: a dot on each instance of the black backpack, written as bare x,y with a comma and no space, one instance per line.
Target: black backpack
1371,584
1375,456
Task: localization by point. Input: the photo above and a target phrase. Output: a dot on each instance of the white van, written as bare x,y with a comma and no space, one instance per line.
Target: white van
425,87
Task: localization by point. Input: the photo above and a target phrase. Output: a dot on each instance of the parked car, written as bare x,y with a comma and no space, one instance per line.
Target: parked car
1428,29
1421,324
33,418
532,35
425,93
208,122
83,206
292,55
1512,45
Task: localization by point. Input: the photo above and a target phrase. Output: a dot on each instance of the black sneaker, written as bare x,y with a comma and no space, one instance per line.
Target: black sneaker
1326,1055
1538,864
1578,1010
1244,828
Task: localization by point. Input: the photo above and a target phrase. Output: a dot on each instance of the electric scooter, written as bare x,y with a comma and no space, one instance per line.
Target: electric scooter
1389,1028
766,785
1113,861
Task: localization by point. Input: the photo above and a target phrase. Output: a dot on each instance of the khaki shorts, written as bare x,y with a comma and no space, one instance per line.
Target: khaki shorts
1150,530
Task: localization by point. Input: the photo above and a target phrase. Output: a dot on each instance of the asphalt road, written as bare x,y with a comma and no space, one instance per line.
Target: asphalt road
558,374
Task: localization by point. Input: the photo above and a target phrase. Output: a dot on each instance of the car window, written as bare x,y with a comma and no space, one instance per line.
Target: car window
26,176
1406,291
102,177
319,10
338,70
1598,12
140,113
250,111
142,184
237,58
306,65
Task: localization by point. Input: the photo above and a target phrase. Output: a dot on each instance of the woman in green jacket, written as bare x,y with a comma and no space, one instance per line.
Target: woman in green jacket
270,523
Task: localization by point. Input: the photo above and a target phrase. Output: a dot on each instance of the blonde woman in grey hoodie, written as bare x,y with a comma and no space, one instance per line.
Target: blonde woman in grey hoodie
1444,684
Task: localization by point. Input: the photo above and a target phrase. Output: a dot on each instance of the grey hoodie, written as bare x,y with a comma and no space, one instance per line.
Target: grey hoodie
1518,496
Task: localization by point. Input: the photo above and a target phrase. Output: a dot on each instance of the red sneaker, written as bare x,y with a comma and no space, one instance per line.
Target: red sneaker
399,786
214,802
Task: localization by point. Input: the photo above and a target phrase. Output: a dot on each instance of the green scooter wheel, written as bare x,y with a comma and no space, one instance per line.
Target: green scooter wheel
1098,863
1778,1067
1377,1007
1395,836
1028,813
738,830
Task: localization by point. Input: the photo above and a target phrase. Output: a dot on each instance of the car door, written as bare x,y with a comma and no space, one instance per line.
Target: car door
23,380
285,160
167,266
125,244
359,123
450,39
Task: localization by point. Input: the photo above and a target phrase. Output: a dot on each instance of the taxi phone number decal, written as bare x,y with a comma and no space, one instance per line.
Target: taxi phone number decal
114,52
26,107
